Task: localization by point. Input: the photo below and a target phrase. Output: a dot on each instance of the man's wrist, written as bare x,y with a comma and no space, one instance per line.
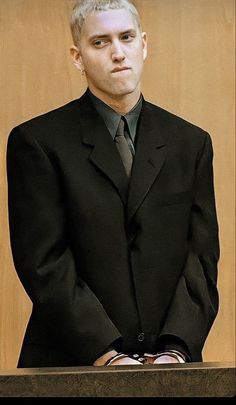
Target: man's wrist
179,356
100,361
169,342
173,353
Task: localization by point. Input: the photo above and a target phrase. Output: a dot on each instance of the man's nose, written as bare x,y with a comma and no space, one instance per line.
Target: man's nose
117,52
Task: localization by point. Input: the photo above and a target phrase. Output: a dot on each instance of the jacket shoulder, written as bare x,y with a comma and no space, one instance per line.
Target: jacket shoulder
51,118
175,124
49,128
176,131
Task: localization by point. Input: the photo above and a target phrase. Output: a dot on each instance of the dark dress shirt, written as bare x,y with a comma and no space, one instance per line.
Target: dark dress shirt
111,119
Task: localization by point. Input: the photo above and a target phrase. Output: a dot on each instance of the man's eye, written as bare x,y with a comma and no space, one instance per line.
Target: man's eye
127,37
99,43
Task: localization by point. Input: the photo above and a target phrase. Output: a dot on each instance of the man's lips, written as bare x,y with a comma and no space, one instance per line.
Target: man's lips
120,69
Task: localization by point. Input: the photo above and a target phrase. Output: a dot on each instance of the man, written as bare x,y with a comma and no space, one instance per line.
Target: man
112,213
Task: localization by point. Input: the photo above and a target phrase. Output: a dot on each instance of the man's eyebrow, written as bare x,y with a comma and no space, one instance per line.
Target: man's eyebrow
129,31
98,36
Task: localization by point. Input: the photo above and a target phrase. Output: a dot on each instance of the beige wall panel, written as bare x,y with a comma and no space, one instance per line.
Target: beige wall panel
189,71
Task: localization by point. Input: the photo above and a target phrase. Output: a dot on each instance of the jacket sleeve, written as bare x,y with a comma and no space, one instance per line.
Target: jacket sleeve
42,256
195,303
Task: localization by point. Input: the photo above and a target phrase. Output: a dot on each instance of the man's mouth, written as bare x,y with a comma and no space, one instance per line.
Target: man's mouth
120,69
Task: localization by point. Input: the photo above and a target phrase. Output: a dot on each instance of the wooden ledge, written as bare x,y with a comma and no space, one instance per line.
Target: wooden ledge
176,380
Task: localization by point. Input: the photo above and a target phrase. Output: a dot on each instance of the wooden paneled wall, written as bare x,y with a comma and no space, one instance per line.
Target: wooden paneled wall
189,71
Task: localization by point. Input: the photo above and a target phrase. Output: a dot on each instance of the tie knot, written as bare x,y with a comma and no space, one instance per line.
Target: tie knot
121,127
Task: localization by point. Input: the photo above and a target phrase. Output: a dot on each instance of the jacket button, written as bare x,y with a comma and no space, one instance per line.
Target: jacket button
141,337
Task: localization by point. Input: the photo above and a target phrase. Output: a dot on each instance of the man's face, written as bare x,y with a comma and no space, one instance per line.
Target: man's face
112,50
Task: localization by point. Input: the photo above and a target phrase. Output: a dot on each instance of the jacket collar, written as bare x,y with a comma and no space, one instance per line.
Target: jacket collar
104,154
149,158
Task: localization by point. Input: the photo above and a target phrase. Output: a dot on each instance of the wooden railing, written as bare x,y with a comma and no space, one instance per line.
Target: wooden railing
176,380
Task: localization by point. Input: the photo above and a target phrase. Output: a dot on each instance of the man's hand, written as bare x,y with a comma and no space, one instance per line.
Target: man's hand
121,360
161,360
165,359
126,361
102,359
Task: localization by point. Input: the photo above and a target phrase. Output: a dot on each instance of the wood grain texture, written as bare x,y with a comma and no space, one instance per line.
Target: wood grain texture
195,380
189,71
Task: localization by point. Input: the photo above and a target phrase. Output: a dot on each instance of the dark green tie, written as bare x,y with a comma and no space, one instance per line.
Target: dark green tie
123,147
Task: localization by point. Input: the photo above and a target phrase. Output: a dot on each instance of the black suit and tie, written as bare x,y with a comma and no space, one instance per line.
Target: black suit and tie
108,262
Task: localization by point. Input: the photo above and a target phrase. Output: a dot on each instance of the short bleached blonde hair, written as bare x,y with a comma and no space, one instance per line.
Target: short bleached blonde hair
84,7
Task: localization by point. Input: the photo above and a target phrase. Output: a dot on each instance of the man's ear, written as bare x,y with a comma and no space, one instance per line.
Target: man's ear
77,58
145,41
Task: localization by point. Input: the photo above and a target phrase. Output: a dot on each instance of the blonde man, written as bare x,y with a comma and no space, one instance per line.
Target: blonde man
112,213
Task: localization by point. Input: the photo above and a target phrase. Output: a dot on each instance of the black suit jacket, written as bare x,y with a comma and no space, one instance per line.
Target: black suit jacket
104,261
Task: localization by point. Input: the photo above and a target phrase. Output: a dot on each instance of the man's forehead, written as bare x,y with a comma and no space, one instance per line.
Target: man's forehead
109,21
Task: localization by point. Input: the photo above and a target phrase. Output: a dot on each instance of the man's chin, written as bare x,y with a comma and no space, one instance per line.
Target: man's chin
122,91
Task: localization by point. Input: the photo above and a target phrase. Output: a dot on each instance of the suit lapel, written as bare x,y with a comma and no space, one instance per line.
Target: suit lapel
149,158
104,154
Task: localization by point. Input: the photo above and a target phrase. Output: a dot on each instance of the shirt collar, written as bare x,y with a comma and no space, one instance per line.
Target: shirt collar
112,118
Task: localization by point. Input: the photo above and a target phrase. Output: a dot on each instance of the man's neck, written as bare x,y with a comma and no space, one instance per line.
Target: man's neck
121,104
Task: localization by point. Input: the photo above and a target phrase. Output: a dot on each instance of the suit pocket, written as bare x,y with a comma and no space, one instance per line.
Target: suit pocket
184,197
